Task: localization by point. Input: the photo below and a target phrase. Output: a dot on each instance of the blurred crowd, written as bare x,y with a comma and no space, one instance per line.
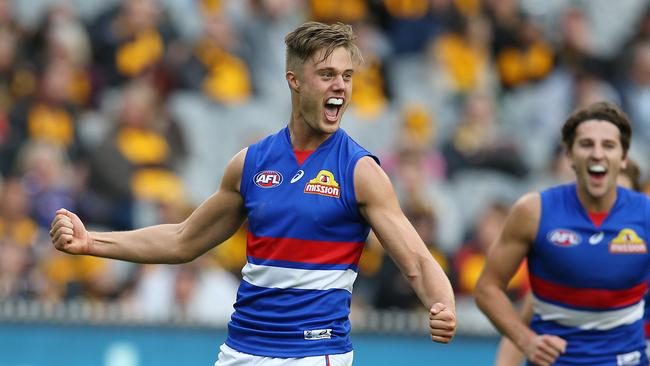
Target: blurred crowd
127,111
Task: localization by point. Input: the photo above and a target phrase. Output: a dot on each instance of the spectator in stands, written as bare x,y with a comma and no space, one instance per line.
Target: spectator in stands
412,25
137,160
48,116
217,65
468,261
17,81
460,57
130,40
636,89
47,176
331,11
476,143
62,38
19,238
393,291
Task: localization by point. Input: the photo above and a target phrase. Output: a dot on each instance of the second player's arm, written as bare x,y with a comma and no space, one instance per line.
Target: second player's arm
507,353
379,205
503,259
214,221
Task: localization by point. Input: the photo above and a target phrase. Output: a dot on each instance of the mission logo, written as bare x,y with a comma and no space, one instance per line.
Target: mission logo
627,242
324,185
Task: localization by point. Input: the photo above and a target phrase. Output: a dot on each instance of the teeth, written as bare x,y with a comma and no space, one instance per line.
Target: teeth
597,169
335,101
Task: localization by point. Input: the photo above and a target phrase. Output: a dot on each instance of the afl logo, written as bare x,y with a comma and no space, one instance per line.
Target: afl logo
268,179
563,238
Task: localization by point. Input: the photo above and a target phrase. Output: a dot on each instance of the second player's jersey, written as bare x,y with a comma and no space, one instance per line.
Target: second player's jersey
305,238
588,282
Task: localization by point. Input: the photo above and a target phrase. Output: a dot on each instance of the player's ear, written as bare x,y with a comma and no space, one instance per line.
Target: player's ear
568,155
292,80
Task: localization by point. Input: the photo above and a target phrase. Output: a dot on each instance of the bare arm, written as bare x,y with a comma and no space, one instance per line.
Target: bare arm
378,204
502,262
507,353
214,221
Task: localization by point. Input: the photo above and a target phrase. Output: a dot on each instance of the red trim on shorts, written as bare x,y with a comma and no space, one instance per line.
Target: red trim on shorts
327,360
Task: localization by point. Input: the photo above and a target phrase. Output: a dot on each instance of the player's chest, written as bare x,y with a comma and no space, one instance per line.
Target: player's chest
614,250
316,192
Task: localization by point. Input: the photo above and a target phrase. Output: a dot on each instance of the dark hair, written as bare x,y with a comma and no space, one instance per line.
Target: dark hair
603,111
306,40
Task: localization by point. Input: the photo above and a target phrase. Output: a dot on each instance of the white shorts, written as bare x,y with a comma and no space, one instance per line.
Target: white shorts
231,357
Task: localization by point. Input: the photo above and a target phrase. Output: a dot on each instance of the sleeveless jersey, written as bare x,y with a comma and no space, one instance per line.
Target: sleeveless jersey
588,282
305,238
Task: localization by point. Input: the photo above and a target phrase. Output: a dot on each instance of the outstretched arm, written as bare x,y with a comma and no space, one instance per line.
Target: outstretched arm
214,221
378,204
502,261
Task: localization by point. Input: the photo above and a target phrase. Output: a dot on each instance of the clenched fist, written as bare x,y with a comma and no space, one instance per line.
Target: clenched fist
544,349
69,234
442,323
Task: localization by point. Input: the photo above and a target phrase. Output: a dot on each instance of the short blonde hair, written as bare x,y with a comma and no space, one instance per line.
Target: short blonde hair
306,40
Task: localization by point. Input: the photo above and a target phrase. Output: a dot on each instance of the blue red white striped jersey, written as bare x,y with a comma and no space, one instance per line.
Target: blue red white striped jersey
588,282
305,239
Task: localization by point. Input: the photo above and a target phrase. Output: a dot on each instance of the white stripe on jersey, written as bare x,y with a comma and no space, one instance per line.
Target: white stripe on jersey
304,279
588,320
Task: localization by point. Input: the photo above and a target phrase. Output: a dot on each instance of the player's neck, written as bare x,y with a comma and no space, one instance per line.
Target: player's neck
303,137
597,204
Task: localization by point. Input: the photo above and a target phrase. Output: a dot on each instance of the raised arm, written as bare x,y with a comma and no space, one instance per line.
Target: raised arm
214,221
504,257
378,204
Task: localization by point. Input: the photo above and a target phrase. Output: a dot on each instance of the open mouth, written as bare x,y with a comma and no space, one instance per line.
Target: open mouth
596,171
332,108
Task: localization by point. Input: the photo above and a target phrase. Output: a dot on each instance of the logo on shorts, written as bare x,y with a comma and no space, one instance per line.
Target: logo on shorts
564,238
268,179
628,359
324,184
316,334
627,241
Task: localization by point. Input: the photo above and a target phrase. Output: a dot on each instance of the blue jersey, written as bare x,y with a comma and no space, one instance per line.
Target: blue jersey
305,239
588,282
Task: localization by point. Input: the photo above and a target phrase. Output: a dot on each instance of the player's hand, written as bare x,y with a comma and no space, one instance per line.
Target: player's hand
544,349
69,234
442,323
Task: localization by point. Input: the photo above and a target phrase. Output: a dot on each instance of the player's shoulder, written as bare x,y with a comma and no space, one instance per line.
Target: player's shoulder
234,170
632,198
367,168
527,206
523,219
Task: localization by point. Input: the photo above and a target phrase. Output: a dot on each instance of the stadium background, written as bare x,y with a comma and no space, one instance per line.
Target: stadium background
127,112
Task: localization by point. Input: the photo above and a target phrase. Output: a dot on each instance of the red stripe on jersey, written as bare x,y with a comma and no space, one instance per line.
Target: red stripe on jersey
588,297
305,251
646,329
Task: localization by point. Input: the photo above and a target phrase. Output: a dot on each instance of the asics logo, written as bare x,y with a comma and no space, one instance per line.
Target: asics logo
596,238
298,175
